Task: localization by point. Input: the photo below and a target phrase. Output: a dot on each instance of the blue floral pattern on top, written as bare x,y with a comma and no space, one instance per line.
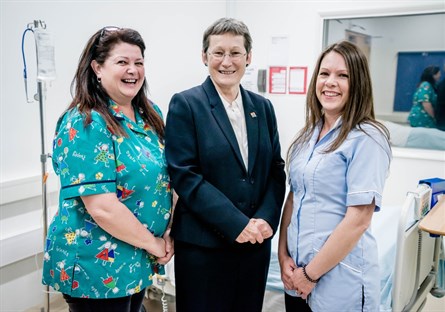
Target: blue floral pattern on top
418,117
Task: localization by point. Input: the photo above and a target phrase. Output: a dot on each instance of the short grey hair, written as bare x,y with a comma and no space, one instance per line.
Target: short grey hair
227,25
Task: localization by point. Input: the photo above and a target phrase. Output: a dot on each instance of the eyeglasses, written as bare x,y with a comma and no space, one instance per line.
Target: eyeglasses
219,55
108,28
102,33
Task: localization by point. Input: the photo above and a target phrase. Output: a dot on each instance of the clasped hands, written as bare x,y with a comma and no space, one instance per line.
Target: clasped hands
164,248
256,231
293,278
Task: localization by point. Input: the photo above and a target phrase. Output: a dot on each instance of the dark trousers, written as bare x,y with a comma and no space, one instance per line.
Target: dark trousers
221,279
293,304
131,303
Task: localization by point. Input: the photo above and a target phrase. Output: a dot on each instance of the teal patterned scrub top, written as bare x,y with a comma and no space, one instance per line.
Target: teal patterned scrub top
81,259
418,117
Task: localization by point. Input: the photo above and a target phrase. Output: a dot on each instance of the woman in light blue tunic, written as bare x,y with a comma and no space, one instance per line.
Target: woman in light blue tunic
109,236
338,164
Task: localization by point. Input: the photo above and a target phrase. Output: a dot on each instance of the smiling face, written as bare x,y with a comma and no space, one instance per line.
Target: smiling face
332,86
226,72
122,74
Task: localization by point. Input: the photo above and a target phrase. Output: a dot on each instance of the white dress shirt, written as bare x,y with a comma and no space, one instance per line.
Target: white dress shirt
235,112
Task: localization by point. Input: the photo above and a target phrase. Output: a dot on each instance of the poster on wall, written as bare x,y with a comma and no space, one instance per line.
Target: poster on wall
279,50
363,41
297,79
277,79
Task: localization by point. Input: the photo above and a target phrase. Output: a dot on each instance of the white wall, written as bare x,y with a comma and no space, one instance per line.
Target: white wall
407,168
172,31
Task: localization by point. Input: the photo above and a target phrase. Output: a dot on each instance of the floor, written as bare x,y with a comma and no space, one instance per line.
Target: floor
273,302
152,302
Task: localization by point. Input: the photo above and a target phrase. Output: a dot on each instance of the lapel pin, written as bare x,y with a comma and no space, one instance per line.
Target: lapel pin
253,115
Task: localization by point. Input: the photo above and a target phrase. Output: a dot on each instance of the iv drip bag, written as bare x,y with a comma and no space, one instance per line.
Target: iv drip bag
46,68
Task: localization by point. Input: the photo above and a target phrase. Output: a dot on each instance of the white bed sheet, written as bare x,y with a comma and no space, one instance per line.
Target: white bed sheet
415,137
384,229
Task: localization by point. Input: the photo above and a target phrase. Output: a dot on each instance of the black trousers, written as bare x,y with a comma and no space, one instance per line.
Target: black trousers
131,303
294,304
221,279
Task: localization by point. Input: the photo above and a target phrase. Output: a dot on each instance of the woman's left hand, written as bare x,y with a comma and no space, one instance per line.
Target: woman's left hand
302,286
264,228
169,248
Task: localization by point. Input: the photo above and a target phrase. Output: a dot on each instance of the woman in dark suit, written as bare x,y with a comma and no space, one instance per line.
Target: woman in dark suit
224,158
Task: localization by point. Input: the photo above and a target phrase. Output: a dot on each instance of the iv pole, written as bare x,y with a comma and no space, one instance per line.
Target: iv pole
47,73
43,159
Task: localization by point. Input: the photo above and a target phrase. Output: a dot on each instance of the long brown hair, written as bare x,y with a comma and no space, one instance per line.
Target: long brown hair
87,92
359,108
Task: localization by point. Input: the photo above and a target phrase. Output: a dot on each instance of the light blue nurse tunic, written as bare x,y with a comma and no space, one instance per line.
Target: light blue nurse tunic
324,185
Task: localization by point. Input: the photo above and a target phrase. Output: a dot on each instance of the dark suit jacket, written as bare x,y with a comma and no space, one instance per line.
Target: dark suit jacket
217,195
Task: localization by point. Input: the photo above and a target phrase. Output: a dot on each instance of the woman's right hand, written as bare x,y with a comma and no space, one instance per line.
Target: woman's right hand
250,233
169,248
287,268
157,248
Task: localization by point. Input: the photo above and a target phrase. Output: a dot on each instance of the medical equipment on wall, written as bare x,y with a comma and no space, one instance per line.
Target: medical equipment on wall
262,80
437,186
45,73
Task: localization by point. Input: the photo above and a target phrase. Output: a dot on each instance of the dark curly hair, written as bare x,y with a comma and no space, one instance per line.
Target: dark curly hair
88,94
428,75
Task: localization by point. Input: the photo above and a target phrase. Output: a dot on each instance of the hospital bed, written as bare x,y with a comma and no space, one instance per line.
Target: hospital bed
403,135
408,257
418,252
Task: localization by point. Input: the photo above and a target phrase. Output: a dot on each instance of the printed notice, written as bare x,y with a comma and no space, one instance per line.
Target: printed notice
279,50
297,80
277,79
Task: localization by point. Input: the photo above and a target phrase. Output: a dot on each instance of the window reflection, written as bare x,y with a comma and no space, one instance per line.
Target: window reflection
384,39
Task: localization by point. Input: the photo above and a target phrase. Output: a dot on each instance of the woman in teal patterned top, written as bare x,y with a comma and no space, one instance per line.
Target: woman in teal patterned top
424,99
109,236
